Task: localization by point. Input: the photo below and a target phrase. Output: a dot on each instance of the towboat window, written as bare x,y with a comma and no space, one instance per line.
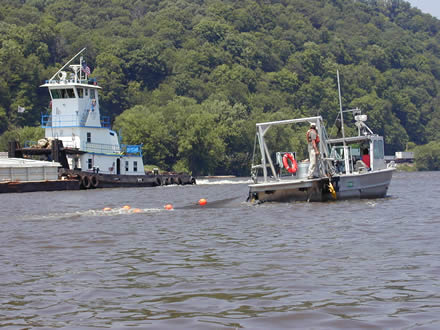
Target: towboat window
378,149
126,166
80,92
56,94
63,93
70,94
135,166
112,134
92,93
67,93
89,163
89,137
86,91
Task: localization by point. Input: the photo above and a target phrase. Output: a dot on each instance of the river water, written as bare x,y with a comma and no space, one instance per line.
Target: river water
371,264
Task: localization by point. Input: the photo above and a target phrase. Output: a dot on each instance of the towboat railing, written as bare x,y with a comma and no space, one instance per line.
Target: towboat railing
48,121
102,148
89,81
105,121
123,149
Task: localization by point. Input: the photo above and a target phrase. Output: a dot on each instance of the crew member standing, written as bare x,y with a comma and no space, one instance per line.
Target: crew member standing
313,142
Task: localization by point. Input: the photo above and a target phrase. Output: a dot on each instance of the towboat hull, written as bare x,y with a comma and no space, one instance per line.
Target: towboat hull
88,180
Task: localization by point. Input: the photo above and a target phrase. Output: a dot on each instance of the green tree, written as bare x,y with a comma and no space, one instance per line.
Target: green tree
427,157
21,135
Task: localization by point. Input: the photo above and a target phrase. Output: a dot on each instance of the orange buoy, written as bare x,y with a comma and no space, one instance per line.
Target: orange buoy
168,207
126,207
202,201
107,209
136,210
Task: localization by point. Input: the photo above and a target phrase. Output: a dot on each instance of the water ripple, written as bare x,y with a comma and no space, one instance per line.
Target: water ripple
347,264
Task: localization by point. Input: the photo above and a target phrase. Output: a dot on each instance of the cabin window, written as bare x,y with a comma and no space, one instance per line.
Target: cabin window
80,92
56,93
92,93
86,92
378,149
67,93
112,134
126,166
135,166
89,163
89,137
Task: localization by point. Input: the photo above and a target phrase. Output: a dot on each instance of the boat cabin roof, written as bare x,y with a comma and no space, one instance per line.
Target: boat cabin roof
354,139
57,84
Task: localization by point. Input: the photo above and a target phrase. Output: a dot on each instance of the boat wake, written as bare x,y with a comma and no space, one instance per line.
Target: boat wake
126,210
95,213
222,181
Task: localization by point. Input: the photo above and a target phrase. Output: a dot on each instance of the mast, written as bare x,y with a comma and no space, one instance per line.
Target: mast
346,160
67,63
340,107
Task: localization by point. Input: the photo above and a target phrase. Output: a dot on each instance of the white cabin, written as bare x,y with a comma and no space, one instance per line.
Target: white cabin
75,119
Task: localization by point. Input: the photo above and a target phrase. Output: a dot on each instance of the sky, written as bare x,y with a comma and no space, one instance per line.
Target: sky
427,6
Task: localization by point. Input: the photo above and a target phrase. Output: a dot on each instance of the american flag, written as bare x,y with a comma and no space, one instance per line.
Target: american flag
85,69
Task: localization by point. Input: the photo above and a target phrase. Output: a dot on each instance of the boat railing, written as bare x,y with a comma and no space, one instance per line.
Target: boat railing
102,148
105,121
59,120
50,120
90,81
123,149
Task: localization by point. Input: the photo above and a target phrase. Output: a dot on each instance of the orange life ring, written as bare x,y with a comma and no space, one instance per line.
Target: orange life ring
290,168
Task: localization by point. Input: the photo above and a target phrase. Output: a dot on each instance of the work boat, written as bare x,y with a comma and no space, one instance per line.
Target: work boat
341,173
81,140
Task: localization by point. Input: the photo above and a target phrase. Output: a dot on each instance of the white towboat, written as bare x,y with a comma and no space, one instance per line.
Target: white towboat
81,140
341,172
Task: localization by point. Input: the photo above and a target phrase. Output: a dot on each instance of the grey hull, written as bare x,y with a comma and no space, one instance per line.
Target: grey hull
366,185
354,186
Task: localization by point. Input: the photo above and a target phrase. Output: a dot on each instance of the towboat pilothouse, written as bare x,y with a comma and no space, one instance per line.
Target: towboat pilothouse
82,141
347,167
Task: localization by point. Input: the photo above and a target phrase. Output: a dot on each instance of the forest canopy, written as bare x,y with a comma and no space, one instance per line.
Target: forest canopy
189,79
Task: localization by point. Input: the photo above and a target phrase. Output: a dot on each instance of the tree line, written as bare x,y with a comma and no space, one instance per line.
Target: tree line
189,79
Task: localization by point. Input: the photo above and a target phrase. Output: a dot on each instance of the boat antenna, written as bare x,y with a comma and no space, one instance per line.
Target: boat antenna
68,63
340,108
346,160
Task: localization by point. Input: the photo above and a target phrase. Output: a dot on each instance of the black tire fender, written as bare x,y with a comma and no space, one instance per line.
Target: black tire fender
94,181
86,182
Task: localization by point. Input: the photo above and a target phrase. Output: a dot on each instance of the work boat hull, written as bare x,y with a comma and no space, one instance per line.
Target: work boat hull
353,186
364,185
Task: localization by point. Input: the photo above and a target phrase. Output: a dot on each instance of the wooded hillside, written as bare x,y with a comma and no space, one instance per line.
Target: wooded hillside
189,79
